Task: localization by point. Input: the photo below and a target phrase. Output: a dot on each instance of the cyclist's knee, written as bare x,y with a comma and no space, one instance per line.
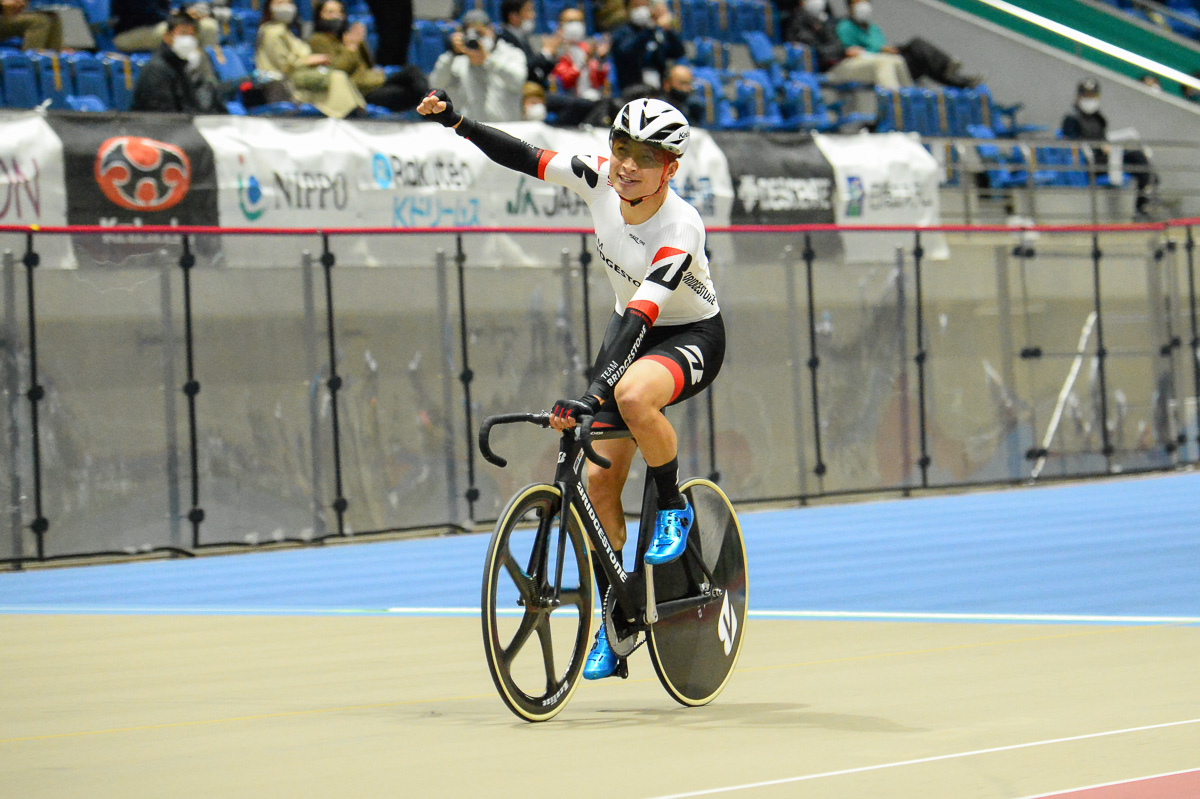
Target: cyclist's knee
604,483
635,400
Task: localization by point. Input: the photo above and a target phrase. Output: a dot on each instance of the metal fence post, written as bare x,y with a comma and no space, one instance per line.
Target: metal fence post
921,357
447,367
312,368
1101,352
466,375
35,394
789,276
190,389
334,383
814,361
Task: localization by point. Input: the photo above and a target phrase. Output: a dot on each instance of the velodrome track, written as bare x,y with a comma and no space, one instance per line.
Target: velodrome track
1003,644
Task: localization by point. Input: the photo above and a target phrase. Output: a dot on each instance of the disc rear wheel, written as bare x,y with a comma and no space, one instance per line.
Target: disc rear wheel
695,650
537,603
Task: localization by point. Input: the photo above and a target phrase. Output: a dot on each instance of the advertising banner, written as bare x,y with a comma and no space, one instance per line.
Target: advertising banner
780,179
883,179
129,170
32,188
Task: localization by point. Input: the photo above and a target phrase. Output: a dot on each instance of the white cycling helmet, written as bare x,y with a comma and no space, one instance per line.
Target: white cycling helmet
654,122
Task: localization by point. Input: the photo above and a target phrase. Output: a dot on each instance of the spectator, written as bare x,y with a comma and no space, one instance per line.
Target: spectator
814,27
482,72
609,14
582,66
923,58
172,80
1190,92
518,18
677,90
307,75
38,30
140,24
533,102
393,25
1150,80
345,44
646,45
1086,123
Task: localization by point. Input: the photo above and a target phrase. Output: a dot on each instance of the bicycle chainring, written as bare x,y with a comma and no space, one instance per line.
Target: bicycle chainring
622,639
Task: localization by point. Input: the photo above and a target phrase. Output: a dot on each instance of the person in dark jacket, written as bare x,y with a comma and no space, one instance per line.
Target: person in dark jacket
518,18
1086,123
645,46
811,25
172,79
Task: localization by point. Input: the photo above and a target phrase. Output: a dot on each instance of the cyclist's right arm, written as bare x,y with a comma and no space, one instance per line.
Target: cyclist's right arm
581,174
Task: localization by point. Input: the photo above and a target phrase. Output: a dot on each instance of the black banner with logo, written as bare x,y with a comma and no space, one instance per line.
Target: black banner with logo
126,170
778,178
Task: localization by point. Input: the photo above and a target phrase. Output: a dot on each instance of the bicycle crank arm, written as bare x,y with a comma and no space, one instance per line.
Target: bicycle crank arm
677,606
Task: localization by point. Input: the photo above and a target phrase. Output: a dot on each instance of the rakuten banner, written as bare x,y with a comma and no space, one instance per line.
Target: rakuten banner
882,179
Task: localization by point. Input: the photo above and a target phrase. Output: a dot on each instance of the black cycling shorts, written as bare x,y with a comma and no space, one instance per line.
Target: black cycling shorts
693,353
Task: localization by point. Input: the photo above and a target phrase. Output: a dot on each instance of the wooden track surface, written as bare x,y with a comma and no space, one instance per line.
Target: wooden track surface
378,706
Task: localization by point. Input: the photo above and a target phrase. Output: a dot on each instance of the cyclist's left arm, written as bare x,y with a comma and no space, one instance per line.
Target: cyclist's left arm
670,253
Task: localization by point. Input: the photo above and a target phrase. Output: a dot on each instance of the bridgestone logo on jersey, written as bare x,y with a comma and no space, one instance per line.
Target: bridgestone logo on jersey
785,194
696,285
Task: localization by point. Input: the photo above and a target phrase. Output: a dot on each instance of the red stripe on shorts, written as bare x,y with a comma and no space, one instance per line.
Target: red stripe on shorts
674,369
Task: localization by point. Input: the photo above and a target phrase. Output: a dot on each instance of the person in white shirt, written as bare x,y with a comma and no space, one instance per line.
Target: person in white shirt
486,74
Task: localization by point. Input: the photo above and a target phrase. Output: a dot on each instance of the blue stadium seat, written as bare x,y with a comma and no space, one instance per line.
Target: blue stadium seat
799,58
121,78
889,111
428,42
18,79
803,106
90,77
228,65
1006,169
85,102
707,84
754,107
54,77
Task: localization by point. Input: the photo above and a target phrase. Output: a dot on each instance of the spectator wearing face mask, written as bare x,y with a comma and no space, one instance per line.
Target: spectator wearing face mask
582,66
346,46
533,102
518,18
280,52
485,75
1086,123
646,45
677,90
922,58
141,24
172,80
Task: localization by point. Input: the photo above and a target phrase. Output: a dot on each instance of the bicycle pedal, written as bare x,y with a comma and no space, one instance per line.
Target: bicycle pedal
622,670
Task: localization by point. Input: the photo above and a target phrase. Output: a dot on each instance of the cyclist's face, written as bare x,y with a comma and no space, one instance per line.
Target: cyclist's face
637,165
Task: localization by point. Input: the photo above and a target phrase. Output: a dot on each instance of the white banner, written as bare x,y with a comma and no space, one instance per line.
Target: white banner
883,179
32,187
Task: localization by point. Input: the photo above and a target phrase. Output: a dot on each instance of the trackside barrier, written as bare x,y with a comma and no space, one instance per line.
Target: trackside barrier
343,378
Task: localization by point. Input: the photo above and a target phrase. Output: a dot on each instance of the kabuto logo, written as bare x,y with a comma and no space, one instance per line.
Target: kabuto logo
141,174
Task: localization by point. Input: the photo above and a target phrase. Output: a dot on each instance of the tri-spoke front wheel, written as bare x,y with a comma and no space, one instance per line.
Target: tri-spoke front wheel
537,603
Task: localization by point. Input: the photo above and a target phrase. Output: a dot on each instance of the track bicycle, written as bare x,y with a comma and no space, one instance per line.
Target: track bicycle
537,584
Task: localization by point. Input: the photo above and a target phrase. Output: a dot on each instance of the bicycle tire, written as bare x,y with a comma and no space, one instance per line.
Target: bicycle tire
694,652
521,562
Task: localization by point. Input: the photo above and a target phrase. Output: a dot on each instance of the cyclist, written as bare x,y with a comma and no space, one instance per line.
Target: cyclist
666,339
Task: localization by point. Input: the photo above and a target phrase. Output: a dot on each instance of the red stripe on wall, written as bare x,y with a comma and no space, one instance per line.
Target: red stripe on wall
674,369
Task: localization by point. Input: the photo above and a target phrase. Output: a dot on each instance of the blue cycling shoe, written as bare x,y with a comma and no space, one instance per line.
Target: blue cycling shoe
601,661
670,535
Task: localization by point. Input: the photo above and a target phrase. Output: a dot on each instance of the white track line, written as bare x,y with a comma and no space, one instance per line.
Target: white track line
1110,784
1023,617
936,758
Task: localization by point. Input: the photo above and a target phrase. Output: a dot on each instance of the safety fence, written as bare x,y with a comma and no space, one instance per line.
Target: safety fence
159,398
